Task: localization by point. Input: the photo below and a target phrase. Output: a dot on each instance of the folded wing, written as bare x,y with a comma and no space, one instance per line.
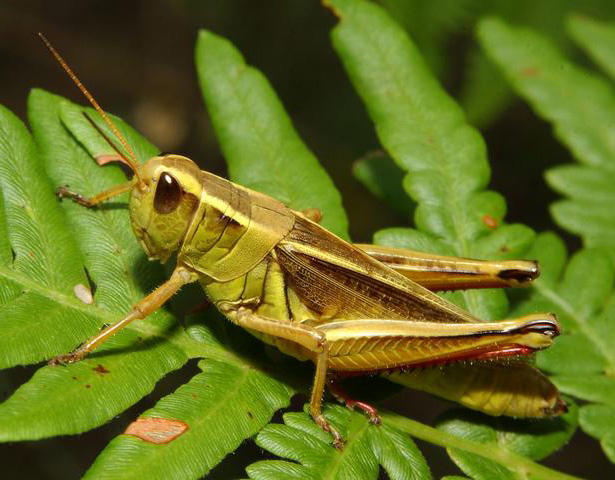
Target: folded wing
339,281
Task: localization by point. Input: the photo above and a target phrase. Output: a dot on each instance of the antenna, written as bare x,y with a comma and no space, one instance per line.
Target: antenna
122,158
132,161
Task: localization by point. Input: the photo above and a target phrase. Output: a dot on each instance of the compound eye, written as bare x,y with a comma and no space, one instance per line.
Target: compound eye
168,194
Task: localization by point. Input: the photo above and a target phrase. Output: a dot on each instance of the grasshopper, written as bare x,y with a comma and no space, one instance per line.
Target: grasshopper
350,309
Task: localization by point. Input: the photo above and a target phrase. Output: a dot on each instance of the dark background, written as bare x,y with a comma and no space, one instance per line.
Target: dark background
137,59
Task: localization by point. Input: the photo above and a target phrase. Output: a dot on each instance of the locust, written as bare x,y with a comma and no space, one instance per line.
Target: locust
351,309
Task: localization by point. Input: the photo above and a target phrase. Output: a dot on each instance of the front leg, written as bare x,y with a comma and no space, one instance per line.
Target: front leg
306,336
142,309
90,202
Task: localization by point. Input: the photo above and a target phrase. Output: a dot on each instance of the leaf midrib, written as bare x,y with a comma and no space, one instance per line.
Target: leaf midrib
515,462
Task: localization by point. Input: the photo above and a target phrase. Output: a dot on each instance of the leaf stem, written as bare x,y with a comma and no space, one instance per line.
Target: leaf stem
511,460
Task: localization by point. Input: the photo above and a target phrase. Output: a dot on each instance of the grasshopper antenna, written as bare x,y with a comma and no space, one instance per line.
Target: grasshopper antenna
132,161
122,158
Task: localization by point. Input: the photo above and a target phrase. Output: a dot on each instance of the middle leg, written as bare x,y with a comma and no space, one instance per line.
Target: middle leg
309,338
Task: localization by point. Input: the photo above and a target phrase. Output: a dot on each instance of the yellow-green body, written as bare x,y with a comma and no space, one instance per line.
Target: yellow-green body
350,309
251,252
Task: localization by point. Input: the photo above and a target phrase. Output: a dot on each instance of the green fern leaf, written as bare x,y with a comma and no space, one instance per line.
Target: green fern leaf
425,133
268,154
559,91
485,92
581,106
543,76
87,394
596,38
367,447
531,439
223,405
48,247
43,317
53,246
430,25
382,177
581,361
599,422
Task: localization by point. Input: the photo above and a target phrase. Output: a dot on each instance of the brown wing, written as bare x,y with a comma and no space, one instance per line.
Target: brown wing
340,282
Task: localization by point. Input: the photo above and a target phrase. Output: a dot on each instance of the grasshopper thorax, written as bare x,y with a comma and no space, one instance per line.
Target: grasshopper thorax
162,207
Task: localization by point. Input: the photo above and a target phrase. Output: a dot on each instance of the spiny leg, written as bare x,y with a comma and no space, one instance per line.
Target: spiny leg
338,392
318,388
141,309
305,336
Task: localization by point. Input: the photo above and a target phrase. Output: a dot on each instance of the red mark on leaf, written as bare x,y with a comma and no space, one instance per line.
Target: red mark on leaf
156,430
490,221
529,72
313,214
101,369
105,158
